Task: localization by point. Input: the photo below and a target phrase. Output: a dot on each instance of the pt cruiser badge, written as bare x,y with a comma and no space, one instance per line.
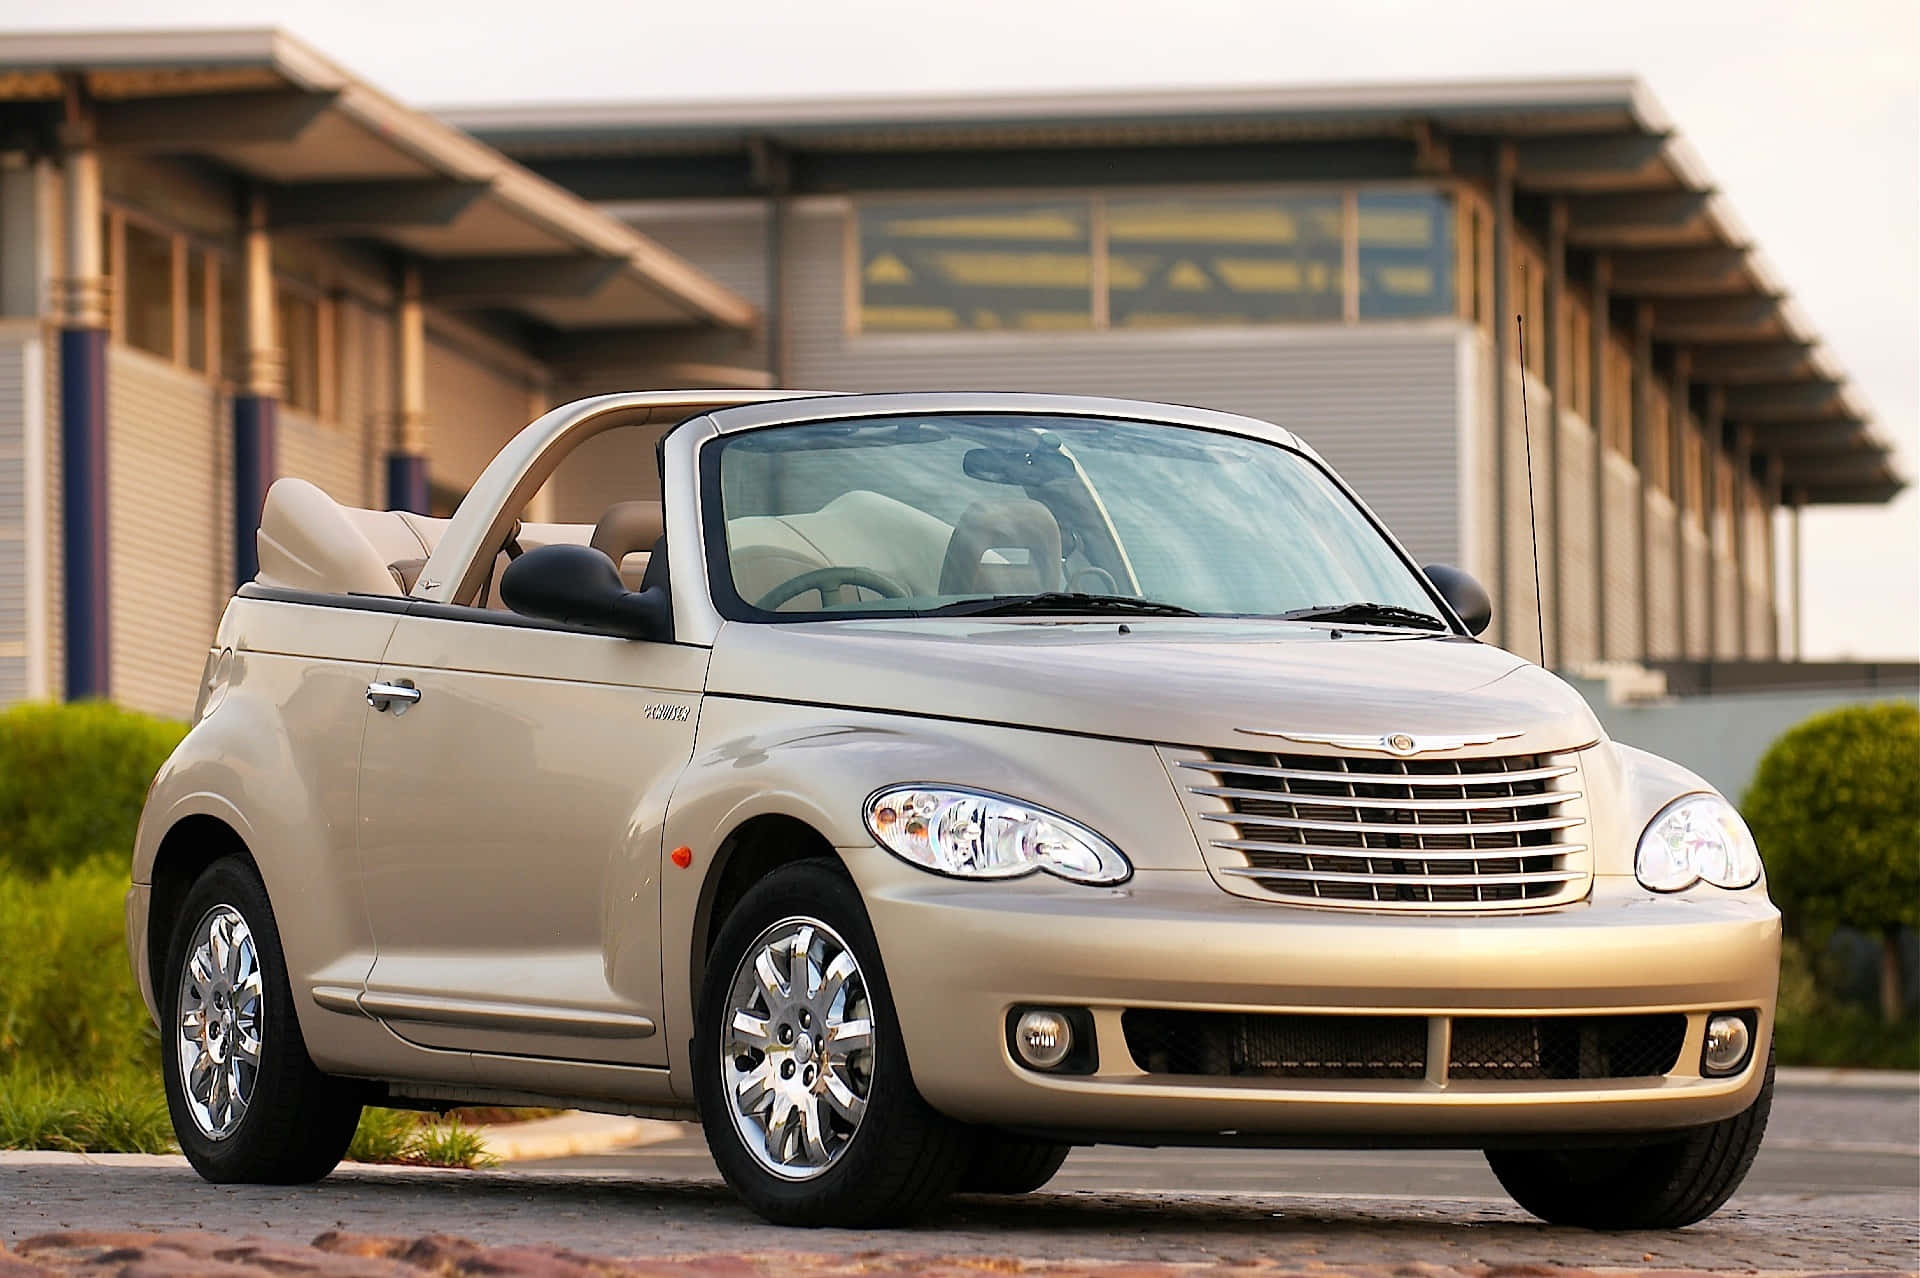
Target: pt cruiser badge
790,793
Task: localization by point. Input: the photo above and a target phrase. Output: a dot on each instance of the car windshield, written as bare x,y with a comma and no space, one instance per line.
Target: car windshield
1042,513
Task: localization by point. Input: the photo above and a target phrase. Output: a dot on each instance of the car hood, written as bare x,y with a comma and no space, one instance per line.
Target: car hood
1176,681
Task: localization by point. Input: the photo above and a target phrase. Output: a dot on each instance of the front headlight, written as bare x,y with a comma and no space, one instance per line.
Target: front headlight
1694,838
972,835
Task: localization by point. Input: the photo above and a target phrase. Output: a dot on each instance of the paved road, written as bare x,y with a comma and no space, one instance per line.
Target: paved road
1836,1186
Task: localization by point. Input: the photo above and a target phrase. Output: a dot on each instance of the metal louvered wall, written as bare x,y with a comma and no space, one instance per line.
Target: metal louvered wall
169,563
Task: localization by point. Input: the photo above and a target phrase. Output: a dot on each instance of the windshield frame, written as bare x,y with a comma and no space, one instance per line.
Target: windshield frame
730,606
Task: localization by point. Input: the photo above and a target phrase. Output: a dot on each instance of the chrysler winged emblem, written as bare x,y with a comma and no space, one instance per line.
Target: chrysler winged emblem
1397,743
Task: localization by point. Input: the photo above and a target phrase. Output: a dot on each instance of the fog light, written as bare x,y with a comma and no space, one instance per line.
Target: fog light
1043,1039
1729,1041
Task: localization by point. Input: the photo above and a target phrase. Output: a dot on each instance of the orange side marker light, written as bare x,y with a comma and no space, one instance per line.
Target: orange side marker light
683,857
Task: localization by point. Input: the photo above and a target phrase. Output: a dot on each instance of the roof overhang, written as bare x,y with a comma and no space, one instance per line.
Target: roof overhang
336,158
1633,191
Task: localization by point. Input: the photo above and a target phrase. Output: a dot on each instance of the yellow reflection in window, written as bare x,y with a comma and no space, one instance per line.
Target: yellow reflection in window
1039,224
1017,270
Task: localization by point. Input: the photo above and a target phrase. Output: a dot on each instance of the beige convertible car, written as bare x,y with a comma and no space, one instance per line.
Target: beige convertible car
912,787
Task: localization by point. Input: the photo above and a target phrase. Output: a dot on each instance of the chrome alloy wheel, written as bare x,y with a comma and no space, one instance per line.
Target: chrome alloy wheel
217,1036
797,1048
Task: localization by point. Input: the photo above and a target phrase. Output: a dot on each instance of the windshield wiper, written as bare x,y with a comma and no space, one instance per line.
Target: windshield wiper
1060,601
1368,614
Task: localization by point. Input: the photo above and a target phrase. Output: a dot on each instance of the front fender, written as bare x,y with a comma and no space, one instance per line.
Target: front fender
817,765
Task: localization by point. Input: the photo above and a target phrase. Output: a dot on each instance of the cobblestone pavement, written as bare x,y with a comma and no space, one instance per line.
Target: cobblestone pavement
611,1214
340,1255
1837,1187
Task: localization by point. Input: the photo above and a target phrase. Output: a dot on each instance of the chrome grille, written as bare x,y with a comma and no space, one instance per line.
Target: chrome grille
1380,832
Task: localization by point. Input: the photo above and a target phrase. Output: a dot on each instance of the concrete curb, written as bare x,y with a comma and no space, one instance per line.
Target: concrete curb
573,1134
1849,1080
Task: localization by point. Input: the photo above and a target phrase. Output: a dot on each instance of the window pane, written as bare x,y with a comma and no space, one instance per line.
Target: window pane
148,281
939,509
1406,255
196,303
300,341
1237,261
930,267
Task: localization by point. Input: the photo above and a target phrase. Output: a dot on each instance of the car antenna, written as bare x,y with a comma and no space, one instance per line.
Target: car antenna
1526,434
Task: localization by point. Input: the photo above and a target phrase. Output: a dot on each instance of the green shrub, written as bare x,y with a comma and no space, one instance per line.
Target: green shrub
114,1114
1835,807
72,781
383,1135
405,1136
68,1005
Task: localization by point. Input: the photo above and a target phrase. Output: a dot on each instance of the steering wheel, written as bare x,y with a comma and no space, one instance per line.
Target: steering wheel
831,578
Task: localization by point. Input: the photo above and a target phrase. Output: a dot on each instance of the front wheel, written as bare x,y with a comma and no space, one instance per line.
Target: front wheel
799,1068
248,1105
1006,1164
1662,1185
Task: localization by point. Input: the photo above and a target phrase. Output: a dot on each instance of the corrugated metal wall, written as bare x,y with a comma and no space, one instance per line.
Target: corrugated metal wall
1580,639
332,455
1622,529
15,352
167,561
1698,560
1663,630
472,409
1379,404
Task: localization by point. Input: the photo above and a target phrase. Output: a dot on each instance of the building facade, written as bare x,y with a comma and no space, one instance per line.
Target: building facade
1350,263
224,259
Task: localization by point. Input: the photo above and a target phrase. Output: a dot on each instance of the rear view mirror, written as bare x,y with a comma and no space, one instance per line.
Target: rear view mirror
579,586
1467,597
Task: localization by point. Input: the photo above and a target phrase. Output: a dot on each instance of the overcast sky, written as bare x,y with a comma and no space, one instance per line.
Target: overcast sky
1807,115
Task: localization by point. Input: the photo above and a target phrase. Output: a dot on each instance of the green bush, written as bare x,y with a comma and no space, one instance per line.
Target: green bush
72,781
1835,808
1814,1028
67,999
406,1136
125,1113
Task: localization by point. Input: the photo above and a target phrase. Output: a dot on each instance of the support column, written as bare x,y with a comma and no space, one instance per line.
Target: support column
1597,373
1773,501
1742,489
1713,444
1503,313
83,297
1555,351
1678,416
256,405
1794,566
772,173
407,459
1642,423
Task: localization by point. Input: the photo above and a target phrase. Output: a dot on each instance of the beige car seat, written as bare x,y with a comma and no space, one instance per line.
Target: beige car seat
627,534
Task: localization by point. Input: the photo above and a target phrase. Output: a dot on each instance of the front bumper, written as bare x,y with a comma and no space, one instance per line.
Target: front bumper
960,955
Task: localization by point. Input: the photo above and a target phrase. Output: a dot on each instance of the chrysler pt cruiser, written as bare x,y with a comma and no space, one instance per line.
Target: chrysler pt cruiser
912,787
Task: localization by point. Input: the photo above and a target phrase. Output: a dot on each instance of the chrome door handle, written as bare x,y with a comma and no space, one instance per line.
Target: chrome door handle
392,696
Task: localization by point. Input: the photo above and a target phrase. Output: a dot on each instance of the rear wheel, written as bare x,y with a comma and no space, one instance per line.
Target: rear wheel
799,1068
247,1103
1007,1164
1663,1185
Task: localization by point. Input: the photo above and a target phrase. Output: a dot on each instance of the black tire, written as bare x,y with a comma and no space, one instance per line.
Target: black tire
1006,1164
1653,1186
298,1121
903,1158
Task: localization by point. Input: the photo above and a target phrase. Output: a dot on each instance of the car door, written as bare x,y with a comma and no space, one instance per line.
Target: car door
511,800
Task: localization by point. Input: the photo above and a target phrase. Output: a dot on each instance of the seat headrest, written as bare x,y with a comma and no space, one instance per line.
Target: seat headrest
629,527
308,541
1003,547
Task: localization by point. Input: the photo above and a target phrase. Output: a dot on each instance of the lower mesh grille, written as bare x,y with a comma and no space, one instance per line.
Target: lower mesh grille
1276,1045
1497,1047
1271,1046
